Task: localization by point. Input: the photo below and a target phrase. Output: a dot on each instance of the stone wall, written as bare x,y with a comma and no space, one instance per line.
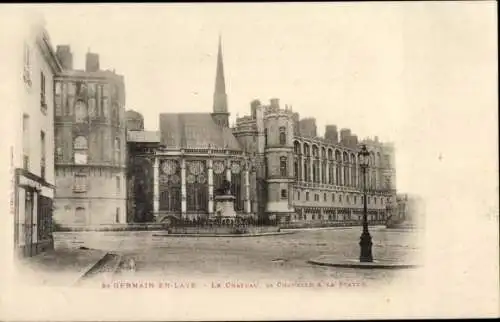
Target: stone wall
221,230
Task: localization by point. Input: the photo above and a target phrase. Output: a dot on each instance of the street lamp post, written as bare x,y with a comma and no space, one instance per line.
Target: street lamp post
365,242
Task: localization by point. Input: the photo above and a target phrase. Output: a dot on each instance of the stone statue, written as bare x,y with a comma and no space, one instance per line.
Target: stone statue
226,187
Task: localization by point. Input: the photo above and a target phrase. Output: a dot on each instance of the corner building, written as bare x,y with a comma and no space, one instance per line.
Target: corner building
278,166
90,143
32,152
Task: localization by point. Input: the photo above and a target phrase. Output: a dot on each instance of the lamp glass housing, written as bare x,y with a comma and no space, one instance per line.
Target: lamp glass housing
364,156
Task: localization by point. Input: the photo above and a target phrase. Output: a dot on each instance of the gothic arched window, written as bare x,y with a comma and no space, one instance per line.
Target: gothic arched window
323,172
354,174
316,171
283,167
315,151
346,169
338,156
296,169
282,135
379,170
307,170
338,168
331,174
296,147
307,163
373,177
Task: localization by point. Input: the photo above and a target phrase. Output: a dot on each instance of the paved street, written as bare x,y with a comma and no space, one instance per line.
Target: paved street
269,258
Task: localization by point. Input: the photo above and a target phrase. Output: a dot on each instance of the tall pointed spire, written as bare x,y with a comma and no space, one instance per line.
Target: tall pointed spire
220,111
220,82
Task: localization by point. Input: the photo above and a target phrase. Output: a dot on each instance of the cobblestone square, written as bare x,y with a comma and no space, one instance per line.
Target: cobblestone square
266,258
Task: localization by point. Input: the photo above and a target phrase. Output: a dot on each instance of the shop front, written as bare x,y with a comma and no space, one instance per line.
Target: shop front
33,214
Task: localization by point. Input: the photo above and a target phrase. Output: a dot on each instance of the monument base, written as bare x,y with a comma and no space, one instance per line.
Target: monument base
224,206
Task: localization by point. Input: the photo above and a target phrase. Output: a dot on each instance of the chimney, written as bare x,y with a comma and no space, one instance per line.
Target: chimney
331,134
92,62
275,103
307,127
354,139
344,135
296,127
253,106
63,53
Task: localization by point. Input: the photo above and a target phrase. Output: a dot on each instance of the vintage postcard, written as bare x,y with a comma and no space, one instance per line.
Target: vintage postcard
254,161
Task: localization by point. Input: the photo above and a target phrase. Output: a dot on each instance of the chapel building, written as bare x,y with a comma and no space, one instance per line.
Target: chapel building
277,165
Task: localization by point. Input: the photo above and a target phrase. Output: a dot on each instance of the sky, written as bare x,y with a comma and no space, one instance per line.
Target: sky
421,75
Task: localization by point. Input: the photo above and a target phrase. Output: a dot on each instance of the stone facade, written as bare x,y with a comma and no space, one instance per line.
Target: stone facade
83,158
32,151
408,212
90,144
278,166
323,177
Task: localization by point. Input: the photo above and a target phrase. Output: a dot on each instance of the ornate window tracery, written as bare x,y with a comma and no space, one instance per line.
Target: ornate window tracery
196,186
236,185
170,186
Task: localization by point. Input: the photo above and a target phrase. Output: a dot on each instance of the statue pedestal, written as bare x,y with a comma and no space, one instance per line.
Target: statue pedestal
224,206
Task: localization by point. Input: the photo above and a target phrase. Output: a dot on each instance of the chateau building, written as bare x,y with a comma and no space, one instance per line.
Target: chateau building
90,143
98,166
32,152
277,165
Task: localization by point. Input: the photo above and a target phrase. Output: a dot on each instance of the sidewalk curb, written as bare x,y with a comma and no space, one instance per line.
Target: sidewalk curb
345,264
117,265
226,235
89,268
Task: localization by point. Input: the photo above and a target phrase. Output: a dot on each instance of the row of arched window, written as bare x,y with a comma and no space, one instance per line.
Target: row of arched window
312,150
326,172
87,100
343,170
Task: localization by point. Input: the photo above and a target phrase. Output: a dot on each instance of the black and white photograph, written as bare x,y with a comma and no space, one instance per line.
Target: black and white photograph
250,161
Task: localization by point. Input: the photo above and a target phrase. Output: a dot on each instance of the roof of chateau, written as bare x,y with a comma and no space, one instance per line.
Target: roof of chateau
195,130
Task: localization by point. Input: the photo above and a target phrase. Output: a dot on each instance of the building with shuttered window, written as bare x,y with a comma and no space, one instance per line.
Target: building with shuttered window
90,143
32,151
